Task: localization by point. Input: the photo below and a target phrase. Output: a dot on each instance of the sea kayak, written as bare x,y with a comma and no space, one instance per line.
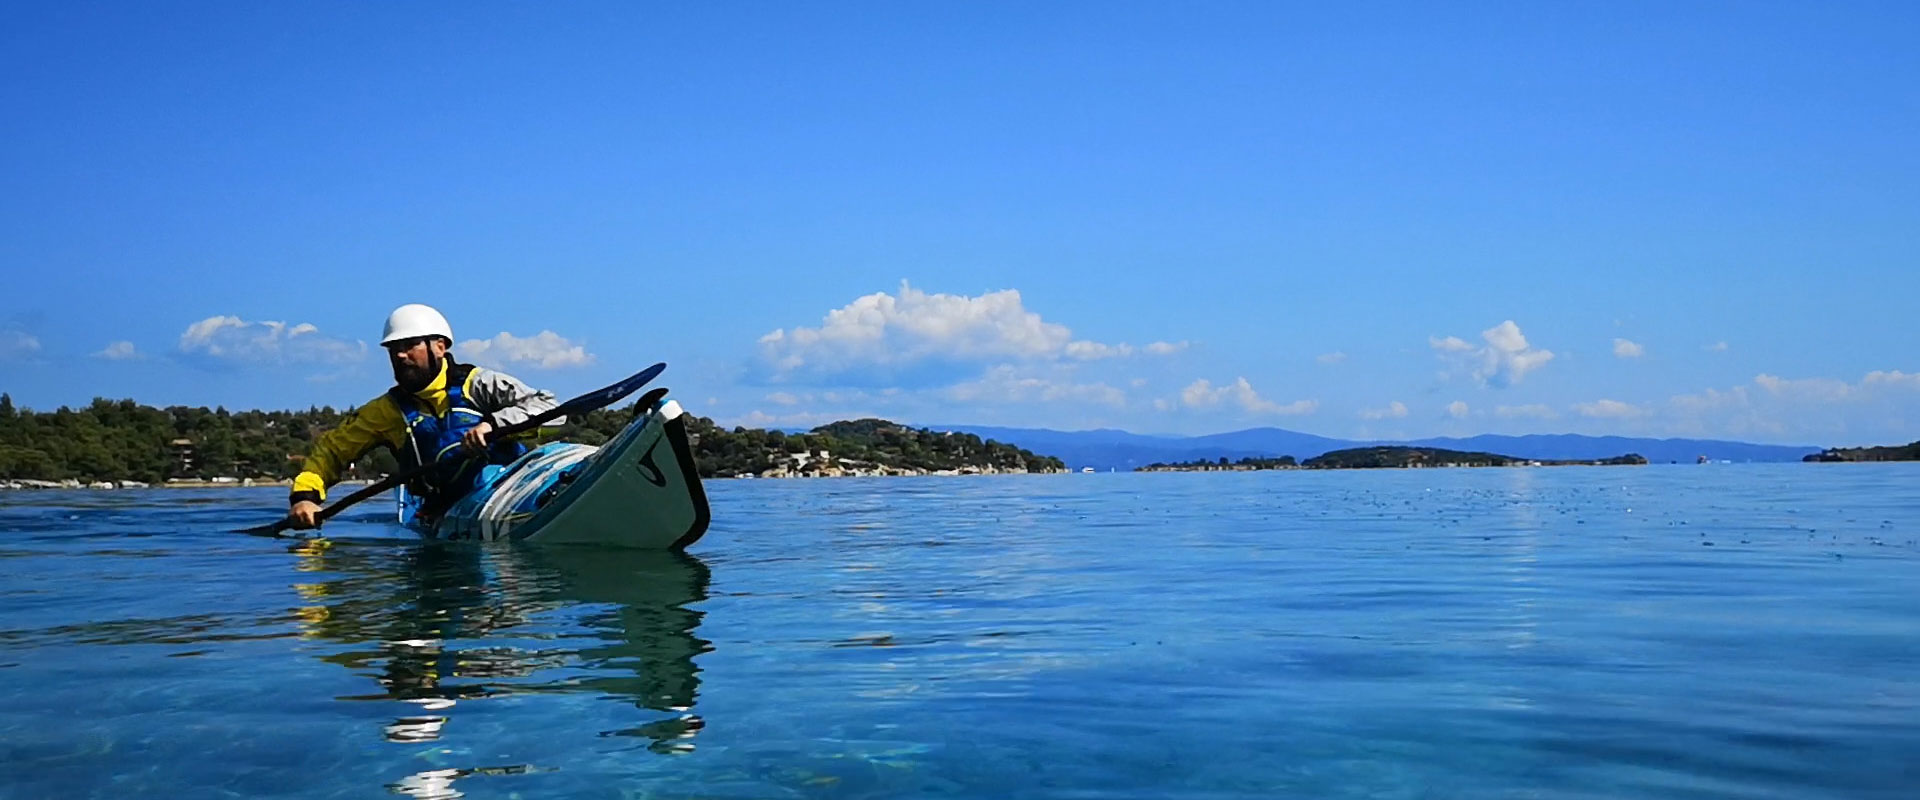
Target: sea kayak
638,490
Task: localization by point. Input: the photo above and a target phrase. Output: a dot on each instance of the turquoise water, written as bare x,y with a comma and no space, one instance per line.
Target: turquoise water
1667,631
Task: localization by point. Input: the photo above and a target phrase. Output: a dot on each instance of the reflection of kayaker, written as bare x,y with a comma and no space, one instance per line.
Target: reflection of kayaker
431,639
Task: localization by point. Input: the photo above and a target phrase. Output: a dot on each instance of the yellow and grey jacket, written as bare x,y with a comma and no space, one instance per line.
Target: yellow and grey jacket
385,422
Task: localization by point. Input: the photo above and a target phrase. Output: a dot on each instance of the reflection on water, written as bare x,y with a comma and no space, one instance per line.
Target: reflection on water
437,784
110,635
1607,632
419,614
440,627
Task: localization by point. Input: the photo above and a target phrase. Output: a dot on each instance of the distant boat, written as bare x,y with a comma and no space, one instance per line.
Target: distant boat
1703,460
1086,469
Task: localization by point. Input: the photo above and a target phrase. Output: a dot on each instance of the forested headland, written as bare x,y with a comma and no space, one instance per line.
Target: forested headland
863,446
1382,457
1905,452
1404,457
1221,465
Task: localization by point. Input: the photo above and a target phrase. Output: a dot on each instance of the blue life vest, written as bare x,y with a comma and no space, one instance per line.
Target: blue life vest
436,440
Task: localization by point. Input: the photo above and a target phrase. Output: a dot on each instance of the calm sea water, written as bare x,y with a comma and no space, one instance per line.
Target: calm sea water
1666,631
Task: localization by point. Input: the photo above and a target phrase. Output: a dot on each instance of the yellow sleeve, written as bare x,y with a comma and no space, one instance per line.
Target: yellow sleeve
376,423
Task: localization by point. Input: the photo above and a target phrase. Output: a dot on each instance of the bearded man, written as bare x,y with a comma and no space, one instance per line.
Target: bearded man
437,411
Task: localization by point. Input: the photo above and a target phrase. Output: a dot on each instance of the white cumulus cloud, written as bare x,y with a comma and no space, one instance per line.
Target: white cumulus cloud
118,351
1625,348
1203,394
1090,351
1819,390
1457,409
1394,410
1892,379
1712,399
1609,409
888,331
1503,361
234,340
543,350
1006,384
17,345
1875,408
1528,411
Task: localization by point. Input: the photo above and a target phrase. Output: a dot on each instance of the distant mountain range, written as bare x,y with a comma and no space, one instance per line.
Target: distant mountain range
1114,449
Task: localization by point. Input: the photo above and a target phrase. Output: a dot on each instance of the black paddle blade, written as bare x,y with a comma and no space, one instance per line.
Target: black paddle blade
277,530
270,531
611,394
647,401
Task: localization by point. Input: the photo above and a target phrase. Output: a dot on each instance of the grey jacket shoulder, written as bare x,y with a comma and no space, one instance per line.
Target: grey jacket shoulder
509,400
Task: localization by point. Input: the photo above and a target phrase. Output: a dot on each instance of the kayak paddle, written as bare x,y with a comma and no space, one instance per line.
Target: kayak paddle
587,402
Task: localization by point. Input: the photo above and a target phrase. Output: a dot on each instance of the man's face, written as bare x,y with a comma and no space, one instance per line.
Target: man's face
416,361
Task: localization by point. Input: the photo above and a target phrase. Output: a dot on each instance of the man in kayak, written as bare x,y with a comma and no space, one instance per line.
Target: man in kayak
437,406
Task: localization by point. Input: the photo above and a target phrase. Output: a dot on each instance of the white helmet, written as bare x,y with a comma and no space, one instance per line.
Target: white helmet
413,320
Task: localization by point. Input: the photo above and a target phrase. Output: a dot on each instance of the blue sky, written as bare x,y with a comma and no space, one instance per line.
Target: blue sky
1357,220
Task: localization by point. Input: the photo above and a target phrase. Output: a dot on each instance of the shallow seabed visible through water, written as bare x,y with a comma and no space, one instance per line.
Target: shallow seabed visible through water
1716,631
